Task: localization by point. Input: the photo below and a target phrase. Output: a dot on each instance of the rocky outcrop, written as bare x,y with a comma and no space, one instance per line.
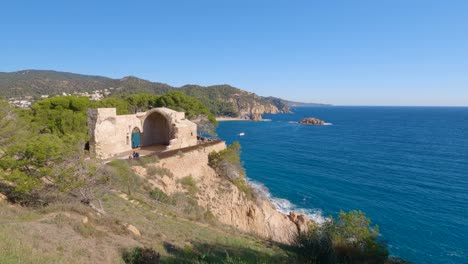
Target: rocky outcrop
229,205
312,121
252,107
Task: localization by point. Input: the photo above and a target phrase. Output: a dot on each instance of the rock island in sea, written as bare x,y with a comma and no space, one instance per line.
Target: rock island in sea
312,121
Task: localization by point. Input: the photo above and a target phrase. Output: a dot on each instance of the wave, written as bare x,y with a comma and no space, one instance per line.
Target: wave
293,122
327,124
285,206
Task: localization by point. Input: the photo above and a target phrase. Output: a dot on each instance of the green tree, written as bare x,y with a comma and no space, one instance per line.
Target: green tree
141,102
121,105
64,115
181,102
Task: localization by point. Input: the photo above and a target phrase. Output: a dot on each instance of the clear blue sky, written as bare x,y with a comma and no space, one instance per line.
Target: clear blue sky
350,52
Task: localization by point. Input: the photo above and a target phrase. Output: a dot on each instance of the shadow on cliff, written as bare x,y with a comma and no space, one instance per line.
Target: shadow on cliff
218,253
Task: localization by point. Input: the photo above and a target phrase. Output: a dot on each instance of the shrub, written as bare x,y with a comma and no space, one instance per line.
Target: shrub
227,163
160,196
140,255
189,184
314,246
123,177
349,239
244,187
153,171
188,206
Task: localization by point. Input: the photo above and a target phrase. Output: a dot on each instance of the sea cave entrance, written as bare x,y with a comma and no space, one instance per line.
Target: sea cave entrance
156,129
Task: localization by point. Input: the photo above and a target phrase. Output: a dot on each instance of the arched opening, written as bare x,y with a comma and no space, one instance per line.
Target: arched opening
156,130
136,141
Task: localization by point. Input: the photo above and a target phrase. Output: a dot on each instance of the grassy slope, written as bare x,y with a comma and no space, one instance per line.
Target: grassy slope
57,234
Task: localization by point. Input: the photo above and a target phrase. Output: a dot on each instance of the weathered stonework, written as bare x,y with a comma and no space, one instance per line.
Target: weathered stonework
111,134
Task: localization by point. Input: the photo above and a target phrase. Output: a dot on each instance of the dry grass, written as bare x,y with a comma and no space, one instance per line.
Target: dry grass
74,233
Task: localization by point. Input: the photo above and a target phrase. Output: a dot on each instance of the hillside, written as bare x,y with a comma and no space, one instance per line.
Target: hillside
222,100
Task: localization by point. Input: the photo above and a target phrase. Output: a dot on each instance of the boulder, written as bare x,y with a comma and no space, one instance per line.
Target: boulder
312,121
3,198
134,230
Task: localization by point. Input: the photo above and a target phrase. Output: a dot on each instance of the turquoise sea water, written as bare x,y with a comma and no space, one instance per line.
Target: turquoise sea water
405,167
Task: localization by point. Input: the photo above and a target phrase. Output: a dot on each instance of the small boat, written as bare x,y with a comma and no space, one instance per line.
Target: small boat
241,134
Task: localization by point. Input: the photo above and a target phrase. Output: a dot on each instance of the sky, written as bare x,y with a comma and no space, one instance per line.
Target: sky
375,52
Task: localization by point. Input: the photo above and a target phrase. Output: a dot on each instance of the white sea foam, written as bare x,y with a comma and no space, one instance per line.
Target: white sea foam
292,122
285,206
327,124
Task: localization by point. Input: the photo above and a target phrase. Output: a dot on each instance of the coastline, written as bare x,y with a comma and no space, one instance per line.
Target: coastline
222,119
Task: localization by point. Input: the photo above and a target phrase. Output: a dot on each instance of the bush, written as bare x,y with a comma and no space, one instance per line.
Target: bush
189,184
227,163
187,206
244,187
153,171
160,196
123,177
314,246
140,255
348,239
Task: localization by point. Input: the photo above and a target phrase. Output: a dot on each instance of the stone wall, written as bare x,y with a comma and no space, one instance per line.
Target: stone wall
111,134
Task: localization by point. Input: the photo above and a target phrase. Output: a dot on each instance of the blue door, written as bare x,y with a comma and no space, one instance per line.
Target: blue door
135,137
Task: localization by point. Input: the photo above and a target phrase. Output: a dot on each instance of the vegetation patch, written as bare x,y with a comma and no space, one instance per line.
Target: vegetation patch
141,255
156,171
227,163
348,239
146,160
160,196
190,185
123,176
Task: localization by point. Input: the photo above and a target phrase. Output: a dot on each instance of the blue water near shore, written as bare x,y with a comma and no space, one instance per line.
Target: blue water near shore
405,167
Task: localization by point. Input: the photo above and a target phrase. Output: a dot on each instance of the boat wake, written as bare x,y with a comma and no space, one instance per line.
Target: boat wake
285,206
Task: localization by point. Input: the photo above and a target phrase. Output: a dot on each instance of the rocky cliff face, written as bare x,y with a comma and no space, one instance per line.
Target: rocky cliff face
251,106
224,200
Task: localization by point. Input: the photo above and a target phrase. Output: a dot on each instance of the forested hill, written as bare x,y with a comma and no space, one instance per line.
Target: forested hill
222,100
42,82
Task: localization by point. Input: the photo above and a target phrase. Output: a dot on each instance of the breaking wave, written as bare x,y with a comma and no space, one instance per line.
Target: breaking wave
285,206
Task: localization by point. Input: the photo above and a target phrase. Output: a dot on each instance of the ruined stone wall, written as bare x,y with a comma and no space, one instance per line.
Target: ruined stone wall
111,134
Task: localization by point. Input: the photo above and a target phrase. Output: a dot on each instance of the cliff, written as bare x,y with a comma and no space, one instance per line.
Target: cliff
223,199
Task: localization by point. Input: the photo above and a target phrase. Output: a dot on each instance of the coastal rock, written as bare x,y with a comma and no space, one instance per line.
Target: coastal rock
256,117
225,201
312,121
301,221
253,109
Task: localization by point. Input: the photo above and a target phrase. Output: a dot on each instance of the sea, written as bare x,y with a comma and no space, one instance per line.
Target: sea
405,167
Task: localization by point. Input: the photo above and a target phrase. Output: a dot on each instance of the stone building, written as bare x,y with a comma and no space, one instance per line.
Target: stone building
159,128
